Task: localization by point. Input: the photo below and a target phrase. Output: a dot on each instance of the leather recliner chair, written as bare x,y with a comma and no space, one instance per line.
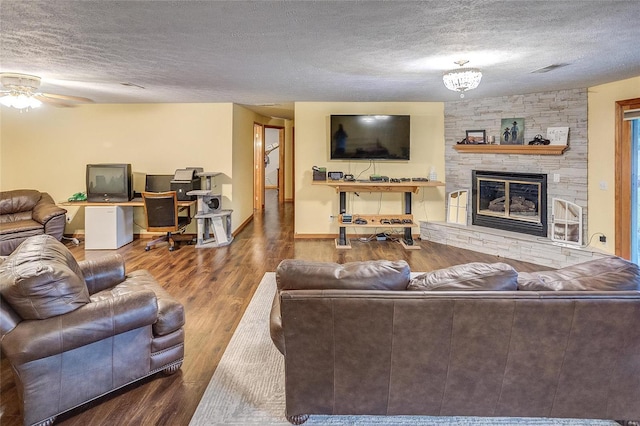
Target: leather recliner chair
76,331
25,213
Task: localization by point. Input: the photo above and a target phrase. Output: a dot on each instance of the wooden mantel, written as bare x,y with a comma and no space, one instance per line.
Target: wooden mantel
512,149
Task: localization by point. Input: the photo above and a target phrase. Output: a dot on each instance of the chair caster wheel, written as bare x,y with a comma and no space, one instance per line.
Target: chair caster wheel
147,248
171,248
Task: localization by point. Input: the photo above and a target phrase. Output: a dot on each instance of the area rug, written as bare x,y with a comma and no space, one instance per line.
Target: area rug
247,388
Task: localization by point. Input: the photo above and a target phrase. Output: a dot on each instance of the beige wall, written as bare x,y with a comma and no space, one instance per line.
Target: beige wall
48,148
601,125
314,204
243,121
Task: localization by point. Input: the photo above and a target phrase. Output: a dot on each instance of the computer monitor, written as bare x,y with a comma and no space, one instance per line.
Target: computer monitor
158,183
109,182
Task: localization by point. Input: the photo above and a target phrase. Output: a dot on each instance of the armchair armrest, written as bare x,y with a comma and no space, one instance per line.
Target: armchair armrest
46,209
51,216
103,273
36,339
275,324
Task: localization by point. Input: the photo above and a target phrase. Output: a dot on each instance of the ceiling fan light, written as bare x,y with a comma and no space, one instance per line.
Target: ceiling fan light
34,103
20,101
462,79
7,100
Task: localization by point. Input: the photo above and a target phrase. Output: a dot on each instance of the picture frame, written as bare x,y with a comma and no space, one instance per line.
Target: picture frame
512,131
476,137
558,135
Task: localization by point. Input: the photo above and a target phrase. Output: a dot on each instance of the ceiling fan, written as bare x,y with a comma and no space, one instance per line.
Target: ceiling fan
21,91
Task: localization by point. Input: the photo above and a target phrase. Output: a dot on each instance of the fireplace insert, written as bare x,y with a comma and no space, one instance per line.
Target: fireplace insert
510,201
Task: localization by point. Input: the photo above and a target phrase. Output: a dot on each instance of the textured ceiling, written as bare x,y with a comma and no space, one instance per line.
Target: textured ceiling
277,52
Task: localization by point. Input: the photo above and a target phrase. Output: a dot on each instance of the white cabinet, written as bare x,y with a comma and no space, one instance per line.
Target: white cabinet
107,227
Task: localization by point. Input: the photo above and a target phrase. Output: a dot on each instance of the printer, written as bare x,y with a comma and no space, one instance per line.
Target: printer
185,180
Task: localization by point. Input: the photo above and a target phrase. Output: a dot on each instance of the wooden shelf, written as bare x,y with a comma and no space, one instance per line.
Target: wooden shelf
373,221
512,149
408,186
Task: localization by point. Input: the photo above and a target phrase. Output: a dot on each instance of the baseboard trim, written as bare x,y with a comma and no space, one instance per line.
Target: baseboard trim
315,236
242,226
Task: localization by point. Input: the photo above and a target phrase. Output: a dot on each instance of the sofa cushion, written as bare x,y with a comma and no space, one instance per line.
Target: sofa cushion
468,276
295,274
608,274
41,279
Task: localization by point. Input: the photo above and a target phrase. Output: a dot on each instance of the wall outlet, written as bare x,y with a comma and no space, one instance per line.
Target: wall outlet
330,218
69,218
603,239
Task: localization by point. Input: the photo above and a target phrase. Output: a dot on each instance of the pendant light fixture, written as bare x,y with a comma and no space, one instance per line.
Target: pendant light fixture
462,79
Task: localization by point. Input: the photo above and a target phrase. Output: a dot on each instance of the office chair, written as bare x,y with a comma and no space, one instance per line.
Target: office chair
161,210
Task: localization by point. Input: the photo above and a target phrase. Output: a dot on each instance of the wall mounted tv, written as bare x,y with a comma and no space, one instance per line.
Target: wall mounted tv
109,183
370,137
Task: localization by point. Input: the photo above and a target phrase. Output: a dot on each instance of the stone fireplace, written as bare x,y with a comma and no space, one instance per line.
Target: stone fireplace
566,173
510,201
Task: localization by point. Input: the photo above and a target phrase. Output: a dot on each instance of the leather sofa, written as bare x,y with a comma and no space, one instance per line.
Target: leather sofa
75,331
471,340
25,213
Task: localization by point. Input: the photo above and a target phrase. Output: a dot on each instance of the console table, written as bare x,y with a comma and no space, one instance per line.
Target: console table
374,221
109,225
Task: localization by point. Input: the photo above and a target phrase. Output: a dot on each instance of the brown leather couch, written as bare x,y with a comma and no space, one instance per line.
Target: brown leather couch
472,340
76,331
25,213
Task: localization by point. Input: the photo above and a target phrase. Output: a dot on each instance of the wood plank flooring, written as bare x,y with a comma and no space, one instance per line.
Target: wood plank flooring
215,285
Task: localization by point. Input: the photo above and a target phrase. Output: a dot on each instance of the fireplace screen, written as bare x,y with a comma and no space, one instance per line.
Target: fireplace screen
518,200
510,201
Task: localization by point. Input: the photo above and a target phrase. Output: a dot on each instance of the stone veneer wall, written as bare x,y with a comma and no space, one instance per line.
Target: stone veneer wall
539,110
566,108
510,245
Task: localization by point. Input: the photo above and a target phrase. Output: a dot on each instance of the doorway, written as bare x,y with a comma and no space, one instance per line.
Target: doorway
258,170
268,163
627,215
274,160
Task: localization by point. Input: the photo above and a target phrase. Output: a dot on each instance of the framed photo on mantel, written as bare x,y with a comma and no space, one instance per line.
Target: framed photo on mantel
558,135
476,137
512,131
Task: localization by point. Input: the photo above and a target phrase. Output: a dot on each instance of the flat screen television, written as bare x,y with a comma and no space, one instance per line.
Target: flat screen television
370,137
109,183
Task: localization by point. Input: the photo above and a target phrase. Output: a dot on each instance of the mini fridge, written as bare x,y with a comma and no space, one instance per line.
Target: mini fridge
107,227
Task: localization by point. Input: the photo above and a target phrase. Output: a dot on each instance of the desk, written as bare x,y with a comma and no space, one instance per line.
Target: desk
136,202
110,225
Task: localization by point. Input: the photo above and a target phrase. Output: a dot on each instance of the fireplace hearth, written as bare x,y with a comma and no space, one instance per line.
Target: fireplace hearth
514,202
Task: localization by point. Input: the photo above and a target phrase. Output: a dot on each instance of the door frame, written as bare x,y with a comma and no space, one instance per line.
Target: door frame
281,161
258,166
623,178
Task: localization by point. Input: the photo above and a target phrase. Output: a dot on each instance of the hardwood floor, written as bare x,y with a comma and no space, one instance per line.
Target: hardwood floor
215,286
